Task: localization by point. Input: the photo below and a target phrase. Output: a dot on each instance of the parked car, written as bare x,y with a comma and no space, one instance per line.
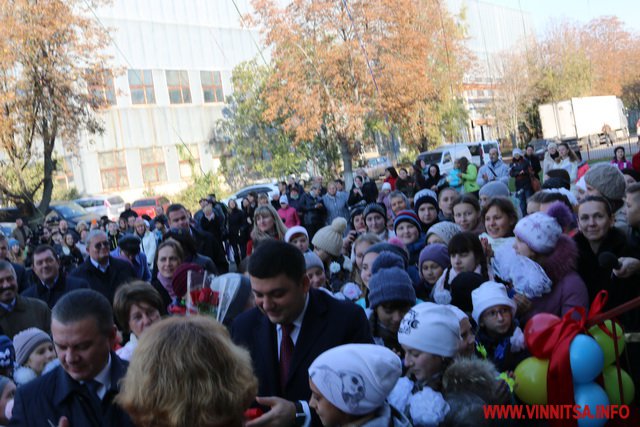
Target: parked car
540,146
271,189
72,212
110,206
376,166
148,205
445,155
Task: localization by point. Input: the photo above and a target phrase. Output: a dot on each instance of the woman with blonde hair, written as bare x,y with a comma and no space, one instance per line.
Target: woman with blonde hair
267,224
208,383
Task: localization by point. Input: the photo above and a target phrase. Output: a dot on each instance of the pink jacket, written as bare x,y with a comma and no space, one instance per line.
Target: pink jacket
289,216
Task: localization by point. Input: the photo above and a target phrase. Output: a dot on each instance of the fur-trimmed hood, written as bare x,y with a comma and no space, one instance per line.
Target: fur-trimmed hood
471,375
562,260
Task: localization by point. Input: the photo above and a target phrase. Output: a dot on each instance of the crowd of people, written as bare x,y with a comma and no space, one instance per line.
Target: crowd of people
393,303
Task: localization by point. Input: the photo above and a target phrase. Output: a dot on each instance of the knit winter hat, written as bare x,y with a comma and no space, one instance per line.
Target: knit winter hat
356,378
26,341
375,208
445,230
425,192
432,328
425,199
406,216
488,295
329,238
517,152
388,247
607,179
296,229
7,352
436,252
181,277
312,260
461,288
13,242
539,231
390,281
284,200
494,189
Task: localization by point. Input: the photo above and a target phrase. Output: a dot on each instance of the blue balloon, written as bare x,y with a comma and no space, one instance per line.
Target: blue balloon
590,395
587,359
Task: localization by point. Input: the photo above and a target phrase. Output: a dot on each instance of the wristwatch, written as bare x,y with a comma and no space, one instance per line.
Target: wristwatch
301,417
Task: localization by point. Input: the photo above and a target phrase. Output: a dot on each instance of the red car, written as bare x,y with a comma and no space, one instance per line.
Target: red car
148,206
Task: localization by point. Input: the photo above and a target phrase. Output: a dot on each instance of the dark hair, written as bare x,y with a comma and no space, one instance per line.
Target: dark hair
559,173
392,171
43,248
553,196
467,242
185,239
80,304
599,199
615,153
464,163
571,154
468,199
131,293
174,207
632,173
506,206
274,257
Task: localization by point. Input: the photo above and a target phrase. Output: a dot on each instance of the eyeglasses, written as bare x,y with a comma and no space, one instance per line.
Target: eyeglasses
494,312
100,245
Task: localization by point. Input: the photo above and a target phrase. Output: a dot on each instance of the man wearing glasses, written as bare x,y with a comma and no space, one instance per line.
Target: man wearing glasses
103,272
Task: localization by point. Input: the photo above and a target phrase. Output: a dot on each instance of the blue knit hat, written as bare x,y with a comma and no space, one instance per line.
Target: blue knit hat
390,282
7,352
425,199
436,252
406,216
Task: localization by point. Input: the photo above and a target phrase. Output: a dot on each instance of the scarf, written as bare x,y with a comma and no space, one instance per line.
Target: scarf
166,284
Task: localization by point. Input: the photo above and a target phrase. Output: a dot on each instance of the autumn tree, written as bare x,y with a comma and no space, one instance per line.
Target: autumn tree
252,146
341,66
50,55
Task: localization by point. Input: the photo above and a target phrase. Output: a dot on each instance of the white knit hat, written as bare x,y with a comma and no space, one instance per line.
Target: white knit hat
284,200
539,231
356,378
488,295
329,238
431,328
296,229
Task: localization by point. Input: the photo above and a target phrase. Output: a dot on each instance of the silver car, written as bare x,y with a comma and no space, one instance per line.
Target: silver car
110,206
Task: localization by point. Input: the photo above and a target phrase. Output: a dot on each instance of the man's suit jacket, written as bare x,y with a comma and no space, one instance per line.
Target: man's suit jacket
327,323
208,245
27,313
56,394
63,285
106,283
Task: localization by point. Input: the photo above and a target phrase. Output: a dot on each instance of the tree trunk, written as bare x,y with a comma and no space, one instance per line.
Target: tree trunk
49,167
347,160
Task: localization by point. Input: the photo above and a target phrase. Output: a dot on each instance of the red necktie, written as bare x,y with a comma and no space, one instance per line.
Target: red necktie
286,352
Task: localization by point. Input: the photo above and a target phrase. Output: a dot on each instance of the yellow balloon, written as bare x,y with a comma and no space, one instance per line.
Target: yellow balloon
610,375
606,342
531,381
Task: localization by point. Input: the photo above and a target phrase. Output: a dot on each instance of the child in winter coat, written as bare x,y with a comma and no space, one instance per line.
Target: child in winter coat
34,354
466,255
430,336
499,338
298,237
350,383
433,261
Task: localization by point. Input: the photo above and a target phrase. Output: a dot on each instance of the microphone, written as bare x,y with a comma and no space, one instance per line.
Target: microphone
609,261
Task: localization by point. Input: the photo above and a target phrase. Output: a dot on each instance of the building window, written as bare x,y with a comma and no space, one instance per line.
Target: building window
141,86
153,168
212,86
113,170
189,160
178,84
101,88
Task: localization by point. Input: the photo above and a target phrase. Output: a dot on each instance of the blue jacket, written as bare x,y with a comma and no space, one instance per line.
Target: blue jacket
56,394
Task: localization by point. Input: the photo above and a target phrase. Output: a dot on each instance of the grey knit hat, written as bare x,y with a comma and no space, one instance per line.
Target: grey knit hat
390,281
495,189
374,207
607,179
311,260
26,341
329,238
445,230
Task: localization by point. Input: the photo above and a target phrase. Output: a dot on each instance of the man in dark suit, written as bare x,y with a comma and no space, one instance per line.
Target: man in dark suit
46,281
289,328
83,387
103,272
206,243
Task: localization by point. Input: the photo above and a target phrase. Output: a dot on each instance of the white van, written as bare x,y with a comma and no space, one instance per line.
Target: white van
480,151
445,155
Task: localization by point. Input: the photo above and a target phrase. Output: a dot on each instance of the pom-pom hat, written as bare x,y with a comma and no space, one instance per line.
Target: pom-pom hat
329,238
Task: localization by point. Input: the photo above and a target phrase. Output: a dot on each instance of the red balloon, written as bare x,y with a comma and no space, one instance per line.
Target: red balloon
534,326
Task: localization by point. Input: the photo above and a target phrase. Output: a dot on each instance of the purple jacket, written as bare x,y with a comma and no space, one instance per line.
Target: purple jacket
568,289
622,165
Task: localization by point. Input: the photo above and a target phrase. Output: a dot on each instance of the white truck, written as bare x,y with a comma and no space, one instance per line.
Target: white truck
592,120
